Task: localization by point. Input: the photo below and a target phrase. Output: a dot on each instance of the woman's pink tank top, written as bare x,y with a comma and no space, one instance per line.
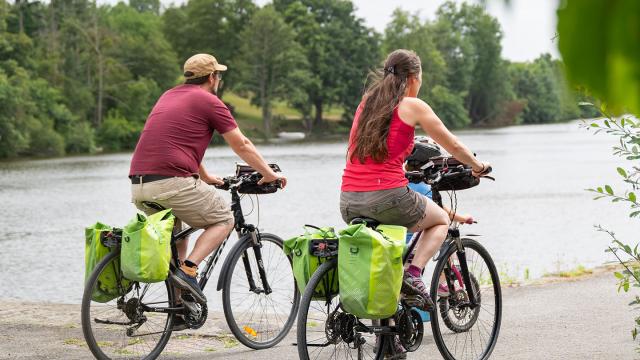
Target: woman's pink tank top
389,174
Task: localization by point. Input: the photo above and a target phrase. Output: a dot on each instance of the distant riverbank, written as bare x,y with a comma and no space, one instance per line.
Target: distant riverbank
250,128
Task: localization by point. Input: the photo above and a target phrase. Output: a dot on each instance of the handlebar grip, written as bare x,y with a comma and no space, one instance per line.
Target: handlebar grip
224,186
487,171
414,177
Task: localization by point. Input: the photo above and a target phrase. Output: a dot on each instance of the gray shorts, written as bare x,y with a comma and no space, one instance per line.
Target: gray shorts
400,206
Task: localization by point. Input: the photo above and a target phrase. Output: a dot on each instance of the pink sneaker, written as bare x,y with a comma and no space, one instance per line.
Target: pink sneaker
443,290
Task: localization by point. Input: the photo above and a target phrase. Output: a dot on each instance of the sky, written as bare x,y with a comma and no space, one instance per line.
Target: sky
528,25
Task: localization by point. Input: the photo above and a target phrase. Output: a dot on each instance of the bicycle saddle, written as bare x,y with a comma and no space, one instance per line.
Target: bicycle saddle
372,223
153,205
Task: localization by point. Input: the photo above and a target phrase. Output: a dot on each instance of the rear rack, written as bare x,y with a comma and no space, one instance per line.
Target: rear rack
324,248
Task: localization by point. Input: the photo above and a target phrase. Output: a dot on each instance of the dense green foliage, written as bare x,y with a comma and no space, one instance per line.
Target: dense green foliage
77,77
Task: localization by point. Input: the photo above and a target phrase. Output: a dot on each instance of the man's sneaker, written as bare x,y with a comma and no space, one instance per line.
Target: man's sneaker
413,285
443,290
185,278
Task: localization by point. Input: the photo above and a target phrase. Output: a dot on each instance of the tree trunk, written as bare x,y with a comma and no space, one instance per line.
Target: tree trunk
100,90
264,103
52,46
20,16
308,123
100,69
266,118
317,124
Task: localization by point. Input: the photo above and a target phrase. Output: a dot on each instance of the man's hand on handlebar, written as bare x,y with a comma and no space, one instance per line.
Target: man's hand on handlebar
484,170
213,180
282,180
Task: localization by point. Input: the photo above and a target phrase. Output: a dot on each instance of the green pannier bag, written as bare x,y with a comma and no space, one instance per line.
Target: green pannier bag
305,264
146,247
370,269
110,284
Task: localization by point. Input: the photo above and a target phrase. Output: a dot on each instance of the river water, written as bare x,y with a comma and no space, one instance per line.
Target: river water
536,218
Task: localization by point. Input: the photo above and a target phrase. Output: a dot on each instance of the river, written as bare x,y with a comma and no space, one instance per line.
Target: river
536,218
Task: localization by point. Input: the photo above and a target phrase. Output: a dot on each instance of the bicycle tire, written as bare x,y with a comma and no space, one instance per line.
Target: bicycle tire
303,313
87,329
244,336
439,337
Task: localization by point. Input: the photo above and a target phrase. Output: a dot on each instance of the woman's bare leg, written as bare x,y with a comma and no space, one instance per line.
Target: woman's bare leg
435,225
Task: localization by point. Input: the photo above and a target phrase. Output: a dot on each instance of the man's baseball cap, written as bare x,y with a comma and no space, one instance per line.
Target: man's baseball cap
200,65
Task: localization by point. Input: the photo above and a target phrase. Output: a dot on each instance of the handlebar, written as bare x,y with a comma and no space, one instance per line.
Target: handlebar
237,182
434,176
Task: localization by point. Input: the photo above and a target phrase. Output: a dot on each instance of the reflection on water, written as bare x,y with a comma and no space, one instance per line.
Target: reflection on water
535,217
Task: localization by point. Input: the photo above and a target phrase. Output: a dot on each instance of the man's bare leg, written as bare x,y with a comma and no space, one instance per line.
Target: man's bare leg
209,240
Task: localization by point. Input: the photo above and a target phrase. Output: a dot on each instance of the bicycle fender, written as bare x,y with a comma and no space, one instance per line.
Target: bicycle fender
227,262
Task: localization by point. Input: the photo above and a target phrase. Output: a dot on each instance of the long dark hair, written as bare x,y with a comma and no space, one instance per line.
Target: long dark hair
383,94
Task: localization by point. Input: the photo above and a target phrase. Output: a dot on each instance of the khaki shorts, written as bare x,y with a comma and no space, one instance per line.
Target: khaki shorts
400,206
192,200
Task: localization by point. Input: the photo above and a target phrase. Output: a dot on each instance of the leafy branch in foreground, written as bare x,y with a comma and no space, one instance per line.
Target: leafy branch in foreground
627,130
630,276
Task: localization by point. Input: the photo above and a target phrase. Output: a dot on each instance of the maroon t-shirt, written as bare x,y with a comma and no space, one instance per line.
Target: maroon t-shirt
178,131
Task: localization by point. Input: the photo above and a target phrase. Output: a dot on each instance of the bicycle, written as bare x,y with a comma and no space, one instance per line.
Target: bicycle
470,318
259,302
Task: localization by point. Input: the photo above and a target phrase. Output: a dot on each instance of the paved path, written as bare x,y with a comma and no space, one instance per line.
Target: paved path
580,319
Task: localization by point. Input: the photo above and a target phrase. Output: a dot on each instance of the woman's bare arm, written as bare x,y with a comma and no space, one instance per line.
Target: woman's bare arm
414,112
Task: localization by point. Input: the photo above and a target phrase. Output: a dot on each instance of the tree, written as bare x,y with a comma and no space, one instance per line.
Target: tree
537,85
339,49
409,32
471,43
271,63
208,26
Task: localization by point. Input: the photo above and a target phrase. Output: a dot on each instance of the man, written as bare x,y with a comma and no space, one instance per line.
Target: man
167,168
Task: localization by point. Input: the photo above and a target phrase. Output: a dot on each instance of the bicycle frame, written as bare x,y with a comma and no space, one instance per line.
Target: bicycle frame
246,232
454,239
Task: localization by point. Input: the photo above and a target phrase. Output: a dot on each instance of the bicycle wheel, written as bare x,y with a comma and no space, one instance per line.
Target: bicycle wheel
325,331
259,320
121,328
475,330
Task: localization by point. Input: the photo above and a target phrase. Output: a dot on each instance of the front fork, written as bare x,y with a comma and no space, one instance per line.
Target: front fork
257,249
464,268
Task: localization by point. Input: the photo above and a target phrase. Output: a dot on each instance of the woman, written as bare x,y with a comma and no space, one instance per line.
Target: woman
373,183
